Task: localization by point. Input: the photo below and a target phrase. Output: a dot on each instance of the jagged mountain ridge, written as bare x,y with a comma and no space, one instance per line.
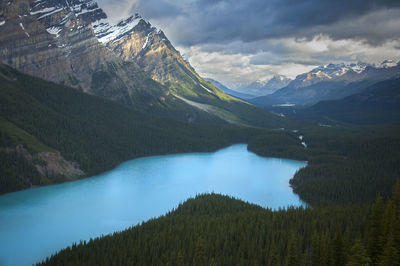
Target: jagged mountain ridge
54,40
68,42
136,40
261,88
329,82
342,72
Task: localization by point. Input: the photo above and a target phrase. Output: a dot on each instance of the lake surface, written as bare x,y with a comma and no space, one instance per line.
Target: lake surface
38,222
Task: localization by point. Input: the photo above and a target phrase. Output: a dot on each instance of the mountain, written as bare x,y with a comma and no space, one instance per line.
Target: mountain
55,40
228,91
73,43
378,104
329,82
261,88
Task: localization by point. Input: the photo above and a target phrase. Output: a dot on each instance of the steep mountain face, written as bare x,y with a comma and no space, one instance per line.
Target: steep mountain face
136,40
55,40
231,92
330,82
72,42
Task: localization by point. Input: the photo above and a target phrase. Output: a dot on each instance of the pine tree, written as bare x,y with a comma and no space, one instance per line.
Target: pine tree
212,262
338,251
179,259
199,253
358,255
273,258
292,256
396,224
315,249
375,230
390,256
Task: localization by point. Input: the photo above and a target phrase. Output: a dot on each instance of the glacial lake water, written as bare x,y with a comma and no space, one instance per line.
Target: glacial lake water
38,222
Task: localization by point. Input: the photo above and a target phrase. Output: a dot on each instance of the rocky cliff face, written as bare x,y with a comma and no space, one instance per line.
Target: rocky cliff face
131,62
136,40
51,165
55,41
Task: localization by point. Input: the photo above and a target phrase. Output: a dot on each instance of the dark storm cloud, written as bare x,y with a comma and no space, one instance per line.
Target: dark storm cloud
202,21
243,41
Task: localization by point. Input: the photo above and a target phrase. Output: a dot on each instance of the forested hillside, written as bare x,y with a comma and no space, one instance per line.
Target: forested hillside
89,131
345,164
218,230
377,105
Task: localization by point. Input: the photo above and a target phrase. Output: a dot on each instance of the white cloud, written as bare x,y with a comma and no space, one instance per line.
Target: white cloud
287,56
117,10
255,39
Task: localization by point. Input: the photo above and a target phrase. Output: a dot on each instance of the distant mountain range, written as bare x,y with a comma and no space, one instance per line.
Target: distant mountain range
329,82
261,88
378,104
131,62
231,92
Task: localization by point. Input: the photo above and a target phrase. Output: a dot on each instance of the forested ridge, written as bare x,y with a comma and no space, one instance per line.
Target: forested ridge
219,230
96,133
346,165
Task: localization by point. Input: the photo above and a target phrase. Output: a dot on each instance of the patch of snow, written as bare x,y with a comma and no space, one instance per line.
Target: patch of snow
284,105
23,28
54,31
2,23
387,64
301,138
50,13
106,32
205,88
45,10
324,125
146,42
201,106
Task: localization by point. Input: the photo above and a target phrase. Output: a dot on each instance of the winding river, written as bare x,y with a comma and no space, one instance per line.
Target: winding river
38,222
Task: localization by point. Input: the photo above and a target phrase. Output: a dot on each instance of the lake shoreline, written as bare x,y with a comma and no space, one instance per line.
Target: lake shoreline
136,191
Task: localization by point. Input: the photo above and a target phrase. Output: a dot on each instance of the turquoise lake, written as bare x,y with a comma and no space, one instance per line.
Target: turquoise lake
38,222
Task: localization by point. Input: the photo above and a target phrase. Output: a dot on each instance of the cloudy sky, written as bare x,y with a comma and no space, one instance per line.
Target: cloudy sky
242,41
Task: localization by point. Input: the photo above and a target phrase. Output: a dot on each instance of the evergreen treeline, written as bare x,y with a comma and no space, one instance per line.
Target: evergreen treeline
345,164
218,230
95,132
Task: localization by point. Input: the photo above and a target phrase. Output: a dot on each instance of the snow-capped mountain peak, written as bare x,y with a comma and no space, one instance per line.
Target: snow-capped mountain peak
106,31
334,70
387,64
